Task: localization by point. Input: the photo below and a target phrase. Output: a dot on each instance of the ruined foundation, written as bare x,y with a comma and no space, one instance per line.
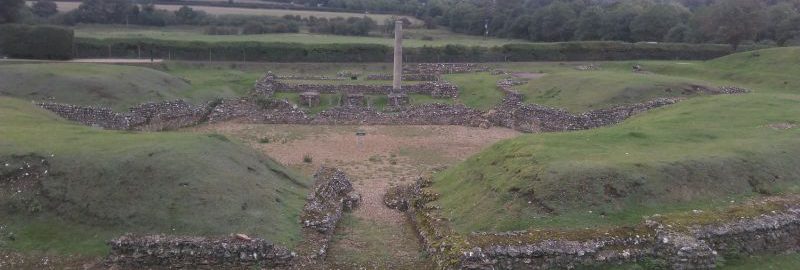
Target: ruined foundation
398,100
310,99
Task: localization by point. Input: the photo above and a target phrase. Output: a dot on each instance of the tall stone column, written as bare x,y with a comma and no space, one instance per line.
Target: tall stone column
398,56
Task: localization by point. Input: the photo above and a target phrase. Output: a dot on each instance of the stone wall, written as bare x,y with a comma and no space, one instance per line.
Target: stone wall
443,68
406,77
152,116
89,115
331,195
672,245
434,89
140,252
512,113
268,111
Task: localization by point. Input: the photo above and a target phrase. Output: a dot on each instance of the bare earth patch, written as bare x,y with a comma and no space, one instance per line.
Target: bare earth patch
373,236
781,126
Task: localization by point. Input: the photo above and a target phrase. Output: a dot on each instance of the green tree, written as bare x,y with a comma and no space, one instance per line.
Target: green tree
556,22
9,10
617,22
656,21
106,11
678,33
734,21
44,8
590,24
781,24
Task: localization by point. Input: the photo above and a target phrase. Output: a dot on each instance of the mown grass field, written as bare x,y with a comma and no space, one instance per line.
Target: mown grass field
701,153
379,18
102,184
414,37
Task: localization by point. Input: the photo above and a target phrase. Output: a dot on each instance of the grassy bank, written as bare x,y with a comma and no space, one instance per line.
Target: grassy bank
700,153
102,184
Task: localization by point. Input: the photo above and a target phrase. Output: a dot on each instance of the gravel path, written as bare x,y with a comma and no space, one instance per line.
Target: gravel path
373,236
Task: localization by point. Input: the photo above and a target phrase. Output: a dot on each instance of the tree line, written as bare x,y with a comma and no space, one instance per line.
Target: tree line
692,21
146,13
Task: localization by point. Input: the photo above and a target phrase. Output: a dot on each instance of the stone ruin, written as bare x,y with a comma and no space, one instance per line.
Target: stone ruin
331,195
260,107
353,100
437,89
406,77
692,246
152,116
196,252
398,100
310,99
443,68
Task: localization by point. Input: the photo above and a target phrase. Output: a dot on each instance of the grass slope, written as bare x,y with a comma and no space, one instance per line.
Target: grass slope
105,183
700,153
115,86
580,91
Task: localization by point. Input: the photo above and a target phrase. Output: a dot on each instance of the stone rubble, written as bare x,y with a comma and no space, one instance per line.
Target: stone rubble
195,252
331,195
692,247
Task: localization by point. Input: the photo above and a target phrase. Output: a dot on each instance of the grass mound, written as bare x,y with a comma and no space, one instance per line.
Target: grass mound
580,91
700,153
115,86
104,183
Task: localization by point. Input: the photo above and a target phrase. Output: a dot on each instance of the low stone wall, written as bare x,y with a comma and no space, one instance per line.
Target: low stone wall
308,77
270,111
512,113
443,68
258,110
140,252
152,116
434,89
675,246
331,195
89,115
774,233
406,77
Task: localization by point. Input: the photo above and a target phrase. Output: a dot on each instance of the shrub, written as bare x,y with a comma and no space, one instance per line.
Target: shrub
307,158
36,42
293,52
44,8
221,30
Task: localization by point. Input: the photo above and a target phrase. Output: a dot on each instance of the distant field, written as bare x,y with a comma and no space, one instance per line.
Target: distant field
379,18
414,37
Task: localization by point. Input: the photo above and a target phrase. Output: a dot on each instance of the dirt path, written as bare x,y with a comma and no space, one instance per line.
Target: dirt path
373,236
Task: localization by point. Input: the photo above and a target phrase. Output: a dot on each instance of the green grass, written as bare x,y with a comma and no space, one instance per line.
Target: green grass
697,154
105,183
764,262
580,91
215,81
414,37
477,90
89,84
